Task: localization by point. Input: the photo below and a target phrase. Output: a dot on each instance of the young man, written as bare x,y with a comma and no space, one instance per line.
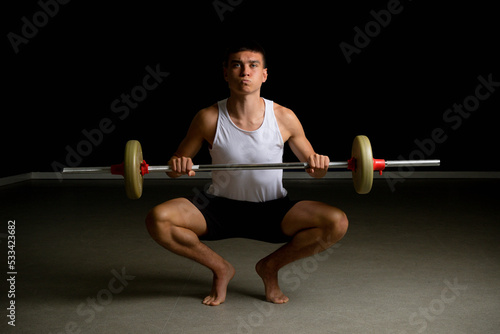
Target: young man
246,128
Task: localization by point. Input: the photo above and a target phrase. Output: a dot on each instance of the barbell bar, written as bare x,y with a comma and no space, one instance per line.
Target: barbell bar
362,165
232,167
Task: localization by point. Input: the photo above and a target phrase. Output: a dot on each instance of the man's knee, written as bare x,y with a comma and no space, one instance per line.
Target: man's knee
335,226
158,220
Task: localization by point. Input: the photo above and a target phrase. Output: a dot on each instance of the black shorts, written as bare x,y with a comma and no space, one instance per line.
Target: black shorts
227,218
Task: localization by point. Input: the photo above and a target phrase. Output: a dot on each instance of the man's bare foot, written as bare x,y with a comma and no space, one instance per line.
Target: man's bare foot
219,286
270,279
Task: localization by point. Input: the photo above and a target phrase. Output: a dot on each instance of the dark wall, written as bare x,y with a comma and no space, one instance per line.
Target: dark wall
345,69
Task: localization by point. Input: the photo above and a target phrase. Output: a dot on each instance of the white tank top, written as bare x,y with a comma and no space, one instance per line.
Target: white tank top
233,145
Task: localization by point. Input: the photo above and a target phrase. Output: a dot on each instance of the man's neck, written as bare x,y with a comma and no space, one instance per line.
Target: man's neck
246,111
242,106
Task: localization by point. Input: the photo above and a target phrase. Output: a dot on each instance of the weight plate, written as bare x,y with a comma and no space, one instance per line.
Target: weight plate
362,175
132,169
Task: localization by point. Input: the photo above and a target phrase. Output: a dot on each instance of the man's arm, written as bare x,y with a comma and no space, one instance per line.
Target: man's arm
292,131
202,128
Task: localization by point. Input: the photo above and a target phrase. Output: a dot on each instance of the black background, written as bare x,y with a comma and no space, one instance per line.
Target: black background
395,91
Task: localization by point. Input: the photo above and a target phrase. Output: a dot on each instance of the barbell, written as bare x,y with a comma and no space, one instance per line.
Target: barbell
362,165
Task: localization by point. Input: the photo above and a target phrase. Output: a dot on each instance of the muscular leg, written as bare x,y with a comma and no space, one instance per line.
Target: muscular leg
315,226
176,225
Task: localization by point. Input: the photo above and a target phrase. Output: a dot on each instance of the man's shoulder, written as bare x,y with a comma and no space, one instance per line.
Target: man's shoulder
209,111
284,114
208,114
205,121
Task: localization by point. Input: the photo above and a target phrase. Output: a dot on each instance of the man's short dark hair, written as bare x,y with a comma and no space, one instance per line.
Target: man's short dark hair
244,46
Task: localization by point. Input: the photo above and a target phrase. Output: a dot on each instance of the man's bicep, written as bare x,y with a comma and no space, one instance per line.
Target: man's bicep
193,140
189,146
301,146
298,141
200,130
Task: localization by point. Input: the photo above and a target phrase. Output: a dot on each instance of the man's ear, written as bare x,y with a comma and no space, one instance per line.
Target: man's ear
264,74
225,73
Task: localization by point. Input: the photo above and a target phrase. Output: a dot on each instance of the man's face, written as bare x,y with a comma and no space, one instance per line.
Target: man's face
245,72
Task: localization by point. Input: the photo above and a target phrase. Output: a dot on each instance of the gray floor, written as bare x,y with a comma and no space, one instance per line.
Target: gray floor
422,259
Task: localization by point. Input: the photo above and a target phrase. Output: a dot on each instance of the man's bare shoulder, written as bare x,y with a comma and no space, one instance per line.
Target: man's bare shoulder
207,117
288,122
209,112
281,111
205,123
285,116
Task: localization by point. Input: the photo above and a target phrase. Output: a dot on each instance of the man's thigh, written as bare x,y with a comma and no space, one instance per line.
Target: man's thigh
309,214
180,212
